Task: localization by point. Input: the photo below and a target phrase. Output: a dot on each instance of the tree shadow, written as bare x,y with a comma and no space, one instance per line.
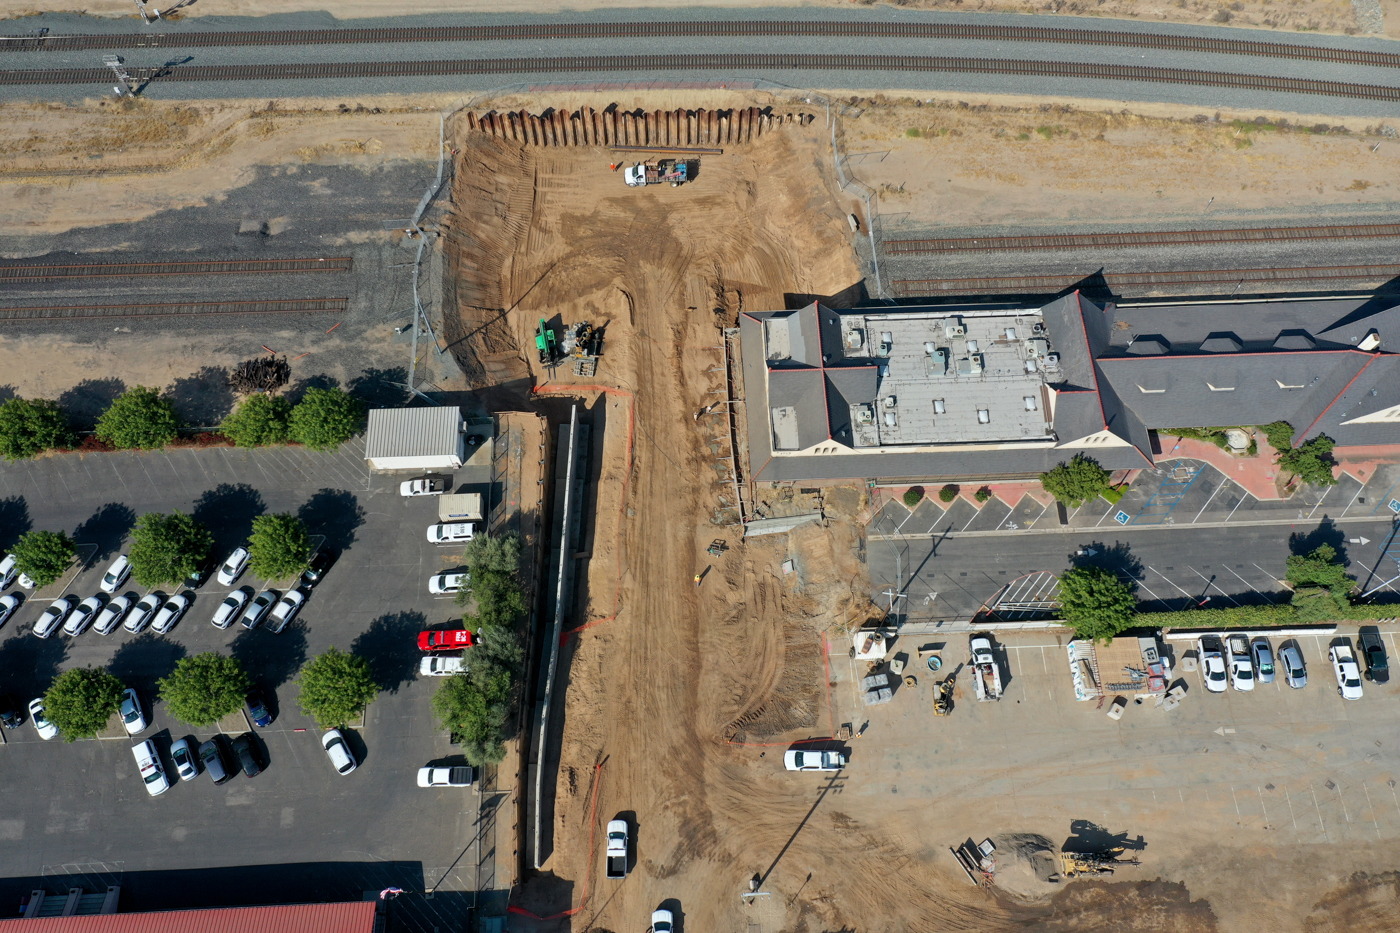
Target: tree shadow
144,660
107,528
334,513
86,401
1089,837
7,392
14,521
390,644
228,511
376,388
204,398
1326,532
271,660
30,664
1116,558
320,381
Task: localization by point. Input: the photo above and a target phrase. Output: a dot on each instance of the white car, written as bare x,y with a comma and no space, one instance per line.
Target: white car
170,613
1348,673
52,617
661,922
814,761
78,619
26,582
111,615
438,666
8,572
447,583
451,533
258,608
8,605
148,763
116,575
423,486
445,777
230,608
46,729
1212,668
282,613
1241,672
338,752
186,761
233,567
132,716
141,613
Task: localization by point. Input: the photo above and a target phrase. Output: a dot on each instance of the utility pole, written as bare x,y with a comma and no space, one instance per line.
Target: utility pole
123,87
144,15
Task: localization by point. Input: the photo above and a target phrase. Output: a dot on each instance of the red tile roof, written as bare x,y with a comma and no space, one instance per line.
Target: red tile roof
352,917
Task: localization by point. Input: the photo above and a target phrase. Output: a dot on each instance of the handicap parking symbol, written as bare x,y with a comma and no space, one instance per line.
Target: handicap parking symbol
1122,517
1395,506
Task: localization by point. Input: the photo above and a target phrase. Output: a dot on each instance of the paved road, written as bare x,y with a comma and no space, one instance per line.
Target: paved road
1111,90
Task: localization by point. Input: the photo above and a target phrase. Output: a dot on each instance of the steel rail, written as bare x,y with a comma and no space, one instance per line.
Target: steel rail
172,309
722,62
53,272
1071,241
1117,281
736,28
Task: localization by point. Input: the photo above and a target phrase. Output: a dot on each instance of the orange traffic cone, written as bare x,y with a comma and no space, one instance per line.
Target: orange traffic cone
612,166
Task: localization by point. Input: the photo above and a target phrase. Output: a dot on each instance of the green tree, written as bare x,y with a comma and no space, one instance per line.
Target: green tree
336,686
1311,460
165,549
1076,482
139,418
205,688
82,700
1319,568
262,419
499,553
1095,603
475,708
1280,435
44,556
31,426
493,563
279,547
325,418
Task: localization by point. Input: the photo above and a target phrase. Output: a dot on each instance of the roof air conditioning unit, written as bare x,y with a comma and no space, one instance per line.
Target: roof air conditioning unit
953,327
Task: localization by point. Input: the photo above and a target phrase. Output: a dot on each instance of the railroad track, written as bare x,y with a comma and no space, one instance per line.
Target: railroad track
26,273
1071,241
739,28
1121,281
174,309
726,63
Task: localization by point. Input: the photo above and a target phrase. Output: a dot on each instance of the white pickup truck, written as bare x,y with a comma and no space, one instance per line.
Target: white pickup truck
617,849
986,673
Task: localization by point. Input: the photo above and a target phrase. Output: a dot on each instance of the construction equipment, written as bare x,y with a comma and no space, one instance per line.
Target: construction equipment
1074,864
584,344
943,696
717,547
986,675
656,171
979,861
544,343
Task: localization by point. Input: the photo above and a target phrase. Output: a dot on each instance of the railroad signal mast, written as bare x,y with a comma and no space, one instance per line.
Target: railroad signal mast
123,88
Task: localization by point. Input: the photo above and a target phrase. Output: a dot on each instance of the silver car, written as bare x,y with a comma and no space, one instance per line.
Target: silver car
186,764
111,615
170,613
338,752
1295,672
52,617
78,619
282,613
8,605
258,609
1263,657
228,609
141,613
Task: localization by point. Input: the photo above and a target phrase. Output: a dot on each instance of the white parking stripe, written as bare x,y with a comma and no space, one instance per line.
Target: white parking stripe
1210,583
1245,582
1168,579
1225,482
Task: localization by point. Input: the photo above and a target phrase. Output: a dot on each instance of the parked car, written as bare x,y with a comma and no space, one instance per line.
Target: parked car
448,583
1295,672
26,581
1241,668
186,764
230,608
316,567
148,763
1373,651
338,752
451,533
423,486
460,776
46,729
170,613
257,710
795,760
1212,667
1263,657
199,575
10,716
258,608
116,575
141,613
439,666
452,639
50,619
8,605
82,614
246,748
8,571
133,718
282,613
661,922
233,568
111,615
211,755
1348,674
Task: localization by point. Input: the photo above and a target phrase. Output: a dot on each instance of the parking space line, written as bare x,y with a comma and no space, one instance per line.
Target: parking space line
1105,515
1251,586
1291,815
1320,500
1225,480
1143,585
1239,820
1321,824
1338,789
1168,579
1237,505
1358,492
1371,807
1260,792
1210,583
1043,509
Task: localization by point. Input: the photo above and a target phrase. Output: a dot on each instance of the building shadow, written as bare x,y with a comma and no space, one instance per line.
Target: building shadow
390,644
852,296
380,388
107,528
86,401
228,511
334,513
204,398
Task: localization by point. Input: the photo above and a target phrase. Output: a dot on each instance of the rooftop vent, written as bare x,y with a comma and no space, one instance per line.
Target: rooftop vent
865,414
1370,341
984,416
1222,341
1011,333
891,419
1030,402
953,327
886,342
855,338
936,363
1037,347
939,407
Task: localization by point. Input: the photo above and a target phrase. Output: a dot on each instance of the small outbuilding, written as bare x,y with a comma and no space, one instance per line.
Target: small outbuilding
415,439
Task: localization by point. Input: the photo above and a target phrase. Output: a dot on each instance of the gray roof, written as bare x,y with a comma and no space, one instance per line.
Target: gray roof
1333,323
799,395
1375,389
413,432
1068,320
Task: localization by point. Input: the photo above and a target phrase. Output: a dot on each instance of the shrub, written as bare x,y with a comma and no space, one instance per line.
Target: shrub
1076,482
279,546
336,686
983,494
1311,461
1279,435
475,706
139,418
325,418
165,549
913,496
1095,603
1319,569
948,493
44,556
205,688
82,700
31,426
262,419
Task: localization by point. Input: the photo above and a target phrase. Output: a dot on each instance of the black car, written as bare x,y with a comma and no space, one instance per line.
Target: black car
211,755
201,574
316,567
1377,668
246,748
10,715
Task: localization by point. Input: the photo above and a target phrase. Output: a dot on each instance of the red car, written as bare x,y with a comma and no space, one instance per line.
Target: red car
449,640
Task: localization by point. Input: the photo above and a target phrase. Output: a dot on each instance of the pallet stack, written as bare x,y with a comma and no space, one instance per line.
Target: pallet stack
589,127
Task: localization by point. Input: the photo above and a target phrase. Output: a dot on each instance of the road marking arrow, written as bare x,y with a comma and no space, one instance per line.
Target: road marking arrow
1359,540
1224,731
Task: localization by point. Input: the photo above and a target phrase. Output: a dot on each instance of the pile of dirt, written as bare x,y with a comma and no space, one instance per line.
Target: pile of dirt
1025,863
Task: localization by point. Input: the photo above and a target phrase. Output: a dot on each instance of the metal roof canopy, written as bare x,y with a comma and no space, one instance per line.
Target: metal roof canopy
415,438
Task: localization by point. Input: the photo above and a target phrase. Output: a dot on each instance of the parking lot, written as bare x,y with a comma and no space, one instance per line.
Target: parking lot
78,809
